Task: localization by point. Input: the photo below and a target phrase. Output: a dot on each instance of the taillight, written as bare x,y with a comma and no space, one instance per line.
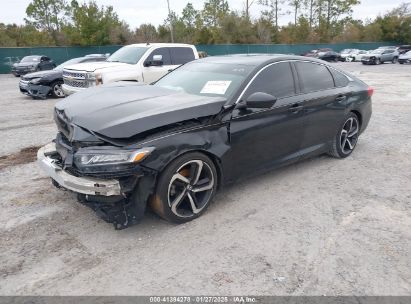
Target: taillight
370,91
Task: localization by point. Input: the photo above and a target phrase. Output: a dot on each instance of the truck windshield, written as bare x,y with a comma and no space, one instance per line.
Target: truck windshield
207,79
128,54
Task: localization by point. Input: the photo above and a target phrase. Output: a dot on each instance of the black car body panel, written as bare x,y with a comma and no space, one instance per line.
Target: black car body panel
43,89
241,141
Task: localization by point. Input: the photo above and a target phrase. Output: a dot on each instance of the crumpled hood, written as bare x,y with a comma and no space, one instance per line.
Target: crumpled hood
93,66
125,109
42,74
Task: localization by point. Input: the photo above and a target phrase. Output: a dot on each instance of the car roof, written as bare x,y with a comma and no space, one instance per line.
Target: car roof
159,44
255,59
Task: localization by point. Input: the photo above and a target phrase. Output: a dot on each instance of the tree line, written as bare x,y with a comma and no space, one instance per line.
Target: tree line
59,22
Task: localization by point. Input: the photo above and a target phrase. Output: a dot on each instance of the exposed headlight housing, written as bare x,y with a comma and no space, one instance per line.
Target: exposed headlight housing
35,80
102,157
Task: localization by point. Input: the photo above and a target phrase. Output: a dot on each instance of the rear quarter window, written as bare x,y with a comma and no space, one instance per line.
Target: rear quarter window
340,79
181,55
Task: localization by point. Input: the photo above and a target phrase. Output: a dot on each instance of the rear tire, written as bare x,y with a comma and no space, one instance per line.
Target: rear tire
185,188
346,138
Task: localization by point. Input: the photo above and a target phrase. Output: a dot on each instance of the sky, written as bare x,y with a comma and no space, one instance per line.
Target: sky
136,12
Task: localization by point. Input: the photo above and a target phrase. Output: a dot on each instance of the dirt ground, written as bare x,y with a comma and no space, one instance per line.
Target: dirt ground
319,227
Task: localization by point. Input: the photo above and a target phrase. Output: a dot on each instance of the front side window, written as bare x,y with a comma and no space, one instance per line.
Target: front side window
128,54
181,55
276,79
165,52
314,77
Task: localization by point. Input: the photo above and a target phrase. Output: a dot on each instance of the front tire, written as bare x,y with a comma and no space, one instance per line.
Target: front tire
185,188
346,138
395,60
56,90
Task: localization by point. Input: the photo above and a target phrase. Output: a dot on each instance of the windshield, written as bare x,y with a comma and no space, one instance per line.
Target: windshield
128,54
68,62
30,59
346,51
206,79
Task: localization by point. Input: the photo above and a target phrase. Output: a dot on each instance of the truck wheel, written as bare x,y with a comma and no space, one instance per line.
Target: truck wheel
56,89
185,188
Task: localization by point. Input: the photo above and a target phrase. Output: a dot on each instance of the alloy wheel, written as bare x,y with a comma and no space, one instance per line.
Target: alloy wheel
190,188
57,90
349,135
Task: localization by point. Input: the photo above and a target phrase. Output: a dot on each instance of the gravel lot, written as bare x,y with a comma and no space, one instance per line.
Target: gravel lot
319,227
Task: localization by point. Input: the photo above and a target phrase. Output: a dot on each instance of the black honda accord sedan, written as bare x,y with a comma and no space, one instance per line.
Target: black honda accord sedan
212,121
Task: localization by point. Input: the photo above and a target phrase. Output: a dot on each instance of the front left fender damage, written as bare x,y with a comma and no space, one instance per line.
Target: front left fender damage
122,211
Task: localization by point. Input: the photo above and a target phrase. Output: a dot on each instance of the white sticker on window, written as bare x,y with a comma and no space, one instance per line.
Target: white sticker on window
215,87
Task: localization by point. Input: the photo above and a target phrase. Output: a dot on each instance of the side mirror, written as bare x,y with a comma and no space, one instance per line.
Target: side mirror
157,61
258,100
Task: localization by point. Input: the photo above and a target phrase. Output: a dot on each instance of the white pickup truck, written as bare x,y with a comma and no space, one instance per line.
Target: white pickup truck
143,62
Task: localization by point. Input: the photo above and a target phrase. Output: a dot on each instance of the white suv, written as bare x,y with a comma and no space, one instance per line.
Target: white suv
137,62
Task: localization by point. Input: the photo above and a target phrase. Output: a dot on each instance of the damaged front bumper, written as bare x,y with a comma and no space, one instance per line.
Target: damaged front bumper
83,185
35,91
121,202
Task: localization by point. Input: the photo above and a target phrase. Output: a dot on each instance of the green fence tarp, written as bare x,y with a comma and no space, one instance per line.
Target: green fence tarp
8,56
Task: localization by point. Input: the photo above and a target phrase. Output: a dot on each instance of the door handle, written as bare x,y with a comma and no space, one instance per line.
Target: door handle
340,98
295,108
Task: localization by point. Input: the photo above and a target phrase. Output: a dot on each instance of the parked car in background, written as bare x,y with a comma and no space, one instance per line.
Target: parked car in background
346,53
405,58
356,55
143,62
44,83
209,123
317,52
330,56
380,56
402,49
31,64
387,47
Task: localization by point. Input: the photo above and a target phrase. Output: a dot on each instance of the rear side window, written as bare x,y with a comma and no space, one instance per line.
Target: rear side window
314,77
276,80
181,55
340,79
163,52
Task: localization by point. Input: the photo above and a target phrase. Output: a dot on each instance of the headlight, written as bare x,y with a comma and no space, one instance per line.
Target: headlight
35,80
96,157
94,79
